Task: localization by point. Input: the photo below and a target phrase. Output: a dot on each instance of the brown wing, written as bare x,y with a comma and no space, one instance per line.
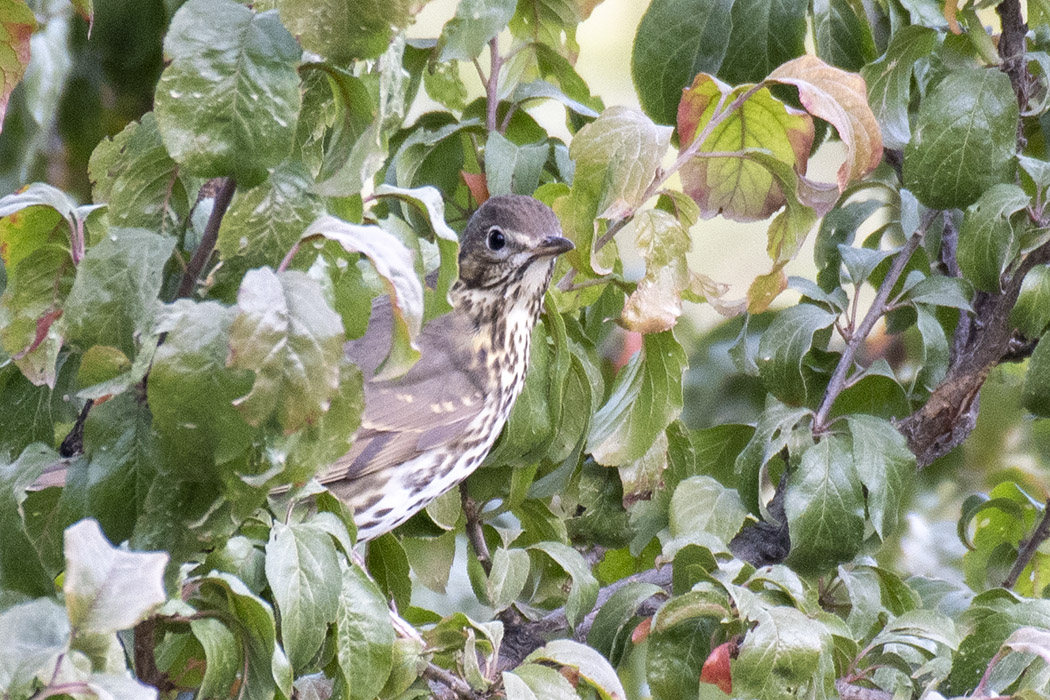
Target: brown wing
427,407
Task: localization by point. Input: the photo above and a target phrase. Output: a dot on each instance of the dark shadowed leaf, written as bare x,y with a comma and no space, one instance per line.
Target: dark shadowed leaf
1031,313
765,34
824,507
303,571
988,242
133,174
889,81
963,140
675,40
783,348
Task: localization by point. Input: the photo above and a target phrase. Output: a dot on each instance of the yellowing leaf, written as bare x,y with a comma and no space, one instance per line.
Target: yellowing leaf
721,182
656,302
17,24
839,98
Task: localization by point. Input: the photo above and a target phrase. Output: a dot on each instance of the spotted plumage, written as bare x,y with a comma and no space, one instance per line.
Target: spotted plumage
426,431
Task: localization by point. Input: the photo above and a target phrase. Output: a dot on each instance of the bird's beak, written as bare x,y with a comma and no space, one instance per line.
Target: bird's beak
552,245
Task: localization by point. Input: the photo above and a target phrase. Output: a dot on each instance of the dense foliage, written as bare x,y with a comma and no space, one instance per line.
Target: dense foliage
711,514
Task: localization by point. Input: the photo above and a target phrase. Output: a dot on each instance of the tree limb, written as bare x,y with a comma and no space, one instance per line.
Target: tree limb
949,416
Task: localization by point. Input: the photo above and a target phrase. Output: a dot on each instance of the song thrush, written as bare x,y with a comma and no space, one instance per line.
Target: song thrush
424,432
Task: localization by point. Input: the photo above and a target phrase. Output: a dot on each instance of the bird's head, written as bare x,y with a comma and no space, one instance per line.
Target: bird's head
511,242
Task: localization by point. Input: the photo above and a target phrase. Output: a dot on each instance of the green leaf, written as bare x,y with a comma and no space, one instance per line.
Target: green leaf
114,294
221,654
30,412
107,589
443,84
779,655
701,505
939,290
1031,313
860,262
935,350
513,169
517,689
771,435
510,571
344,30
963,140
885,466
190,390
1036,395
264,222
133,173
33,636
584,591
544,682
987,240
21,566
824,505
765,34
302,570
262,665
616,620
393,261
17,25
121,443
783,348
428,201
389,567
616,159
889,81
292,339
675,40
592,666
364,637
645,398
228,102
551,23
675,657
476,21
843,36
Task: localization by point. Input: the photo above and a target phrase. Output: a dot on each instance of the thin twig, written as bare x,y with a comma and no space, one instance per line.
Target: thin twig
1028,549
211,235
475,535
878,308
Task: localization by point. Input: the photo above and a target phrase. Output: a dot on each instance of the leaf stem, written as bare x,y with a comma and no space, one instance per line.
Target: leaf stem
475,535
492,85
211,235
1028,549
878,308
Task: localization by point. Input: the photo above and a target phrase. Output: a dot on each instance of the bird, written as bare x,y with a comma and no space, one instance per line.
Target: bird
424,432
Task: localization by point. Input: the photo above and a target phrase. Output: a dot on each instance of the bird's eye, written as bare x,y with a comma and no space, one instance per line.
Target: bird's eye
496,238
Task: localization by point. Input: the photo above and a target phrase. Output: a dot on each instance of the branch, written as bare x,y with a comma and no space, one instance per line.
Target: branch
1028,549
860,334
459,687
1012,51
982,342
848,691
211,235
